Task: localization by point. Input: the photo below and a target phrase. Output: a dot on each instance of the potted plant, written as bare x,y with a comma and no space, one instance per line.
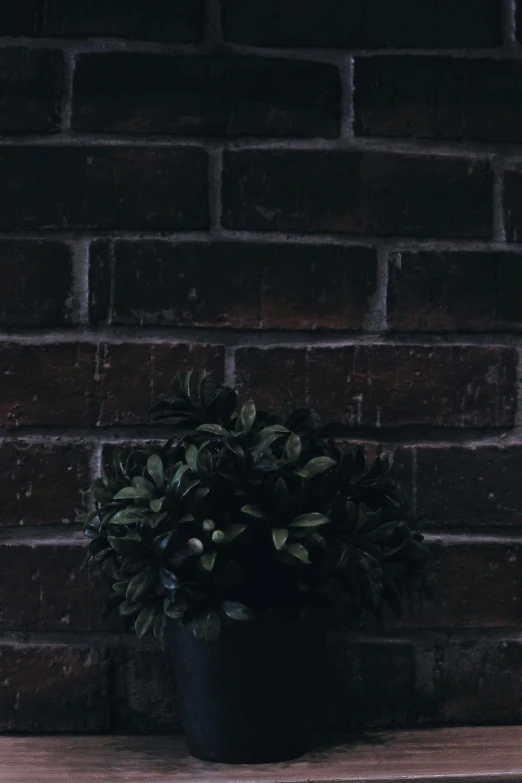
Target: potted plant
231,542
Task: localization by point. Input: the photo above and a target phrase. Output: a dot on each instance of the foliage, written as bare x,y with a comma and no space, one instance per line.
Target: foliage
245,511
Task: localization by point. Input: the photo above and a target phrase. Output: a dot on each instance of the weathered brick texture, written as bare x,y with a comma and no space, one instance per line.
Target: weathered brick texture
325,194
357,193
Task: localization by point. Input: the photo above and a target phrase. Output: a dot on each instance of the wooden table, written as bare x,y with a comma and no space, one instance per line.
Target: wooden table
480,755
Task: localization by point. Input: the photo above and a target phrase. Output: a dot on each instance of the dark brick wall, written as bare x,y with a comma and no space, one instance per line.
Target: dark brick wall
325,193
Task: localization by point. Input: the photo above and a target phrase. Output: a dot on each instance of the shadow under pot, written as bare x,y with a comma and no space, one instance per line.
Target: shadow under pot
249,697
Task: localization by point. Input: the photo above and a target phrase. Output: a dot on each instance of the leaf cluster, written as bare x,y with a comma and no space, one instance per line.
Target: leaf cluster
245,511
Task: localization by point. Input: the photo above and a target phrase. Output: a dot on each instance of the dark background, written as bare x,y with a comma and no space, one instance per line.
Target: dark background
325,193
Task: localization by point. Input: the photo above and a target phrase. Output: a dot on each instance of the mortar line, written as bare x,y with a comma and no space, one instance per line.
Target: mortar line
509,24
213,32
264,339
346,74
518,413
375,320
66,106
397,243
394,243
108,44
428,148
230,366
499,226
79,295
215,178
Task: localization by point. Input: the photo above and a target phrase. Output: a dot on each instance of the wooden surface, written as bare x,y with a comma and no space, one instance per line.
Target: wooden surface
436,755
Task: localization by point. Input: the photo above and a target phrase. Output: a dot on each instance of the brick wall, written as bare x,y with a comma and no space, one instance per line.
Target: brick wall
326,193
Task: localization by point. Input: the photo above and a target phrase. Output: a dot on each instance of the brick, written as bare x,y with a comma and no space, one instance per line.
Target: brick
227,95
368,193
442,292
53,688
366,685
477,586
20,18
260,372
157,20
512,199
479,681
31,89
134,376
48,385
95,187
390,386
438,98
39,293
143,695
47,592
235,285
462,486
374,23
42,484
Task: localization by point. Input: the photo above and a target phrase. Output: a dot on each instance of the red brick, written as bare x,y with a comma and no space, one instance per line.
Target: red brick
156,20
513,204
368,193
366,685
261,371
462,486
39,293
478,586
48,385
373,23
479,681
20,18
42,484
31,86
135,375
442,292
390,386
47,592
232,284
96,187
143,694
53,688
438,98
206,95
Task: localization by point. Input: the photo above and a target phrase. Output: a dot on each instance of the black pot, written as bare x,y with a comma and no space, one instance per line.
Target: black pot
249,697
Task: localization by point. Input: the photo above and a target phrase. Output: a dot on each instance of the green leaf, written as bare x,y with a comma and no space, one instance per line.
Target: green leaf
316,465
127,547
299,551
173,610
191,455
127,609
127,516
203,375
207,560
383,532
237,611
253,511
293,447
313,519
168,579
272,429
157,518
186,384
207,627
155,470
233,531
156,504
363,516
144,621
213,429
142,484
161,542
139,585
120,588
160,627
279,536
248,415
133,493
